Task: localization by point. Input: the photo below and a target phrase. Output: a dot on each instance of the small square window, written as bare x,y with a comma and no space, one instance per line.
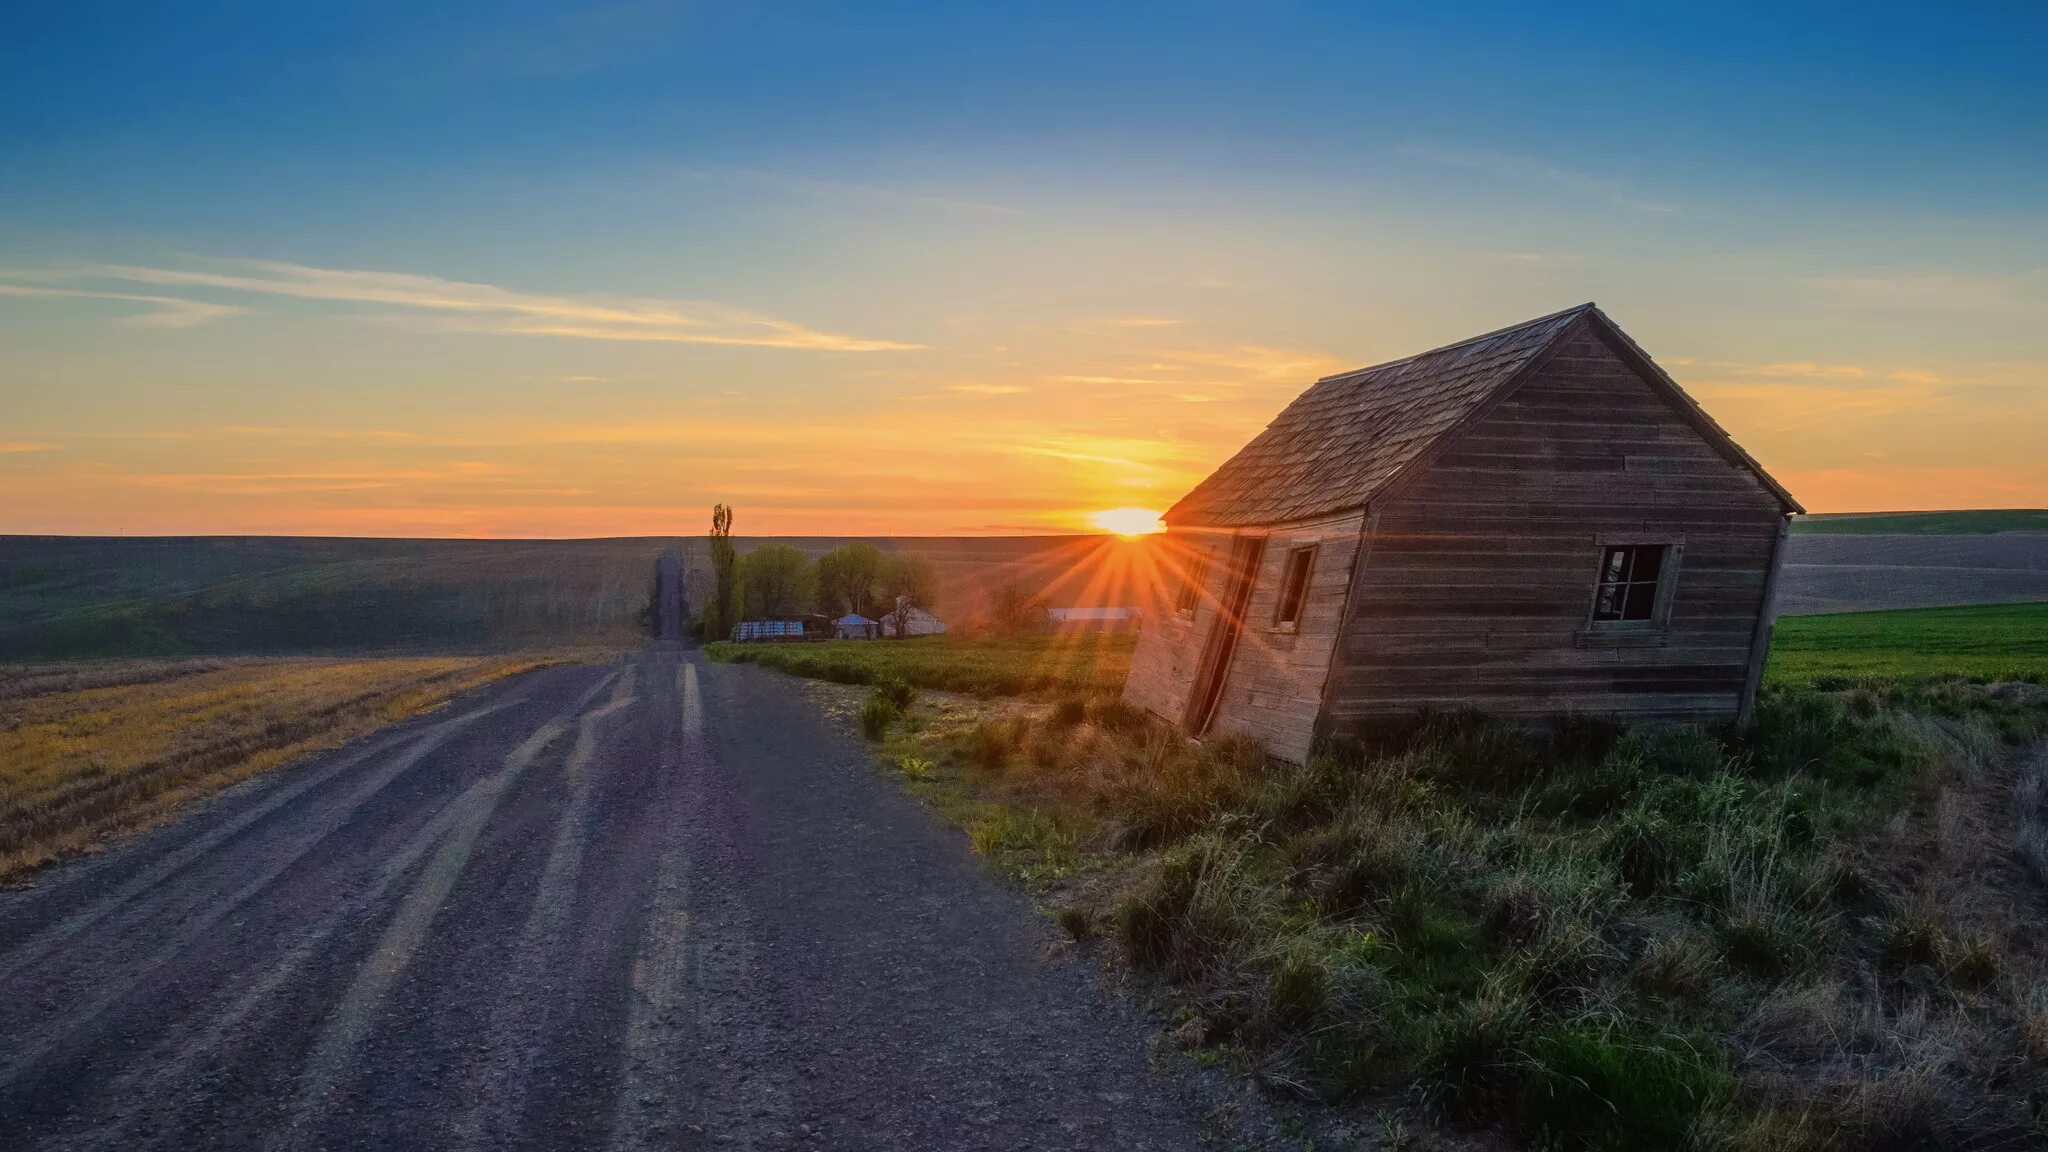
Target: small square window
1294,586
1630,576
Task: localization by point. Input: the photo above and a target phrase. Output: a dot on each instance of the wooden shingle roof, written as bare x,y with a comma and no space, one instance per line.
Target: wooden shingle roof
1350,435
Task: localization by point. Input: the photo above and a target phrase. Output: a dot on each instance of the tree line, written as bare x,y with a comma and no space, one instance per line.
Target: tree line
773,580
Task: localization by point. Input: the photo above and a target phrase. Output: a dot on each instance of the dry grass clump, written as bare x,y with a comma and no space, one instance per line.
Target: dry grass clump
1592,937
89,751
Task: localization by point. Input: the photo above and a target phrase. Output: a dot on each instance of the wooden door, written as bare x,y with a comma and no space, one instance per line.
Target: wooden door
1242,573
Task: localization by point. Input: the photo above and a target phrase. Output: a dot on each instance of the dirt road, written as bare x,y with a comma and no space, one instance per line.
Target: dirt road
654,904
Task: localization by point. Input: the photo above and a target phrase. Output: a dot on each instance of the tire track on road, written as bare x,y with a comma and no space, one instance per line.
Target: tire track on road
495,1086
78,1022
650,1108
178,1061
51,938
351,1018
695,976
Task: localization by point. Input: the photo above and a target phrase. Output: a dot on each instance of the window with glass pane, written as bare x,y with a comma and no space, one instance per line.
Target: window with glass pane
1294,585
1629,575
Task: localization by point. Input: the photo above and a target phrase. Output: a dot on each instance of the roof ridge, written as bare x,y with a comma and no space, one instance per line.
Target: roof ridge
1557,315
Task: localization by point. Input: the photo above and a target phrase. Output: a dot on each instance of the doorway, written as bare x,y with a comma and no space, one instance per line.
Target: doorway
1243,571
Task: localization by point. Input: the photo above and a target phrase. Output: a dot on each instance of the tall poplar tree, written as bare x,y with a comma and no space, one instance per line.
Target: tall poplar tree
723,611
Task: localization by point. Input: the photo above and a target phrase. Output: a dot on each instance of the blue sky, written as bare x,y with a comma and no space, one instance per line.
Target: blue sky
478,268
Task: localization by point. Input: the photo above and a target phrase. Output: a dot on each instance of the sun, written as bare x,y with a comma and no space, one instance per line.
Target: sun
1128,521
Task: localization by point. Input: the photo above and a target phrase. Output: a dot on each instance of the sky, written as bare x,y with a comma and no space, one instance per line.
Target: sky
512,269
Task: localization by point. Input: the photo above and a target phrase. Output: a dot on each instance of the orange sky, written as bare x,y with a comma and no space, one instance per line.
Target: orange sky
970,424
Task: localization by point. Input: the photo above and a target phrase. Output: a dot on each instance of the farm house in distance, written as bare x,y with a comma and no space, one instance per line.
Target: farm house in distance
1533,522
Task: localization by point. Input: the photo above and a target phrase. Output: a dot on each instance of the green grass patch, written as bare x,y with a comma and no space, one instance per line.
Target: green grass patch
1925,523
1592,938
992,667
1986,643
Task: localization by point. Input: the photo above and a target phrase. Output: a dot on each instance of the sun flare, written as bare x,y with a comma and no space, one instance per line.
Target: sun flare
1128,521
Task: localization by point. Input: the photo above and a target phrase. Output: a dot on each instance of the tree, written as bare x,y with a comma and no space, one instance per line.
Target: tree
775,580
723,611
848,576
909,580
1012,611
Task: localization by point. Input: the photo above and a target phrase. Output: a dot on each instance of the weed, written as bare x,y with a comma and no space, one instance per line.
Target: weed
877,714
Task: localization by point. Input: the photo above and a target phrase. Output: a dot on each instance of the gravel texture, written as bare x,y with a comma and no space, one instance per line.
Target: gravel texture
655,904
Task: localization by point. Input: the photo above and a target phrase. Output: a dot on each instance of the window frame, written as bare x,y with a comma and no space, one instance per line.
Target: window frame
1667,585
1305,556
1187,603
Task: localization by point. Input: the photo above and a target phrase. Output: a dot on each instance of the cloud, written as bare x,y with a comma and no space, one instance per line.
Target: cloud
171,311
988,389
1529,168
1799,369
1261,362
459,306
1114,323
10,447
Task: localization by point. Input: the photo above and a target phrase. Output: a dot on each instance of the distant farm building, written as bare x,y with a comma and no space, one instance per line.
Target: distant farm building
913,621
1533,523
783,629
1096,619
856,627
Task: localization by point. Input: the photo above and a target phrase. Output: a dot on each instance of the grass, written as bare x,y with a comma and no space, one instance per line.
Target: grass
94,751
1595,938
73,598
1007,667
1925,523
1987,643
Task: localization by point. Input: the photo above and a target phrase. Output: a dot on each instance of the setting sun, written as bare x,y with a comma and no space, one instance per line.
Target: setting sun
1128,521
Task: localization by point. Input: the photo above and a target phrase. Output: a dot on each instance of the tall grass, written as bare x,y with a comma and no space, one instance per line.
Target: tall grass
88,752
1572,935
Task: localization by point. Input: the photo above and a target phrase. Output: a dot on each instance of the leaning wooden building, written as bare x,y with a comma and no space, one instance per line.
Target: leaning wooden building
1531,523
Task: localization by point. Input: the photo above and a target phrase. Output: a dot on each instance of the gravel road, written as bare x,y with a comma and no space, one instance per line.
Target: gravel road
654,904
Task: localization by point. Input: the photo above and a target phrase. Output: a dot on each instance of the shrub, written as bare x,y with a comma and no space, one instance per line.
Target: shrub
876,716
897,691
989,743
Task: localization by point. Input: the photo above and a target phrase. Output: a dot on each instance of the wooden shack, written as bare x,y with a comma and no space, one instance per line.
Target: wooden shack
1532,523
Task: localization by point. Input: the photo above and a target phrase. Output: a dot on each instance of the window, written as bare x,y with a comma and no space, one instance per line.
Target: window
1190,597
1631,576
1294,587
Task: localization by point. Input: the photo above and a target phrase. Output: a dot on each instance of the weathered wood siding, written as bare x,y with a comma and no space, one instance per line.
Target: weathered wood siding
1478,586
1169,643
1274,688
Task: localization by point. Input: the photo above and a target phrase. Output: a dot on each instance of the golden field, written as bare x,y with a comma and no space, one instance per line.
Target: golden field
95,750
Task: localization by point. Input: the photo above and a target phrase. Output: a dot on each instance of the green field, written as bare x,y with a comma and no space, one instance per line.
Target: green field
67,598
1987,642
1926,523
1082,663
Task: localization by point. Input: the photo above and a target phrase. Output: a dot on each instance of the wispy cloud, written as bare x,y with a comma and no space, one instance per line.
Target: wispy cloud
988,389
168,311
1507,166
457,306
1117,323
1259,362
9,447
